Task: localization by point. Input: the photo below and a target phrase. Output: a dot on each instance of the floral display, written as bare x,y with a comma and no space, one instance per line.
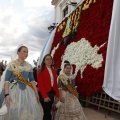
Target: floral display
86,48
81,54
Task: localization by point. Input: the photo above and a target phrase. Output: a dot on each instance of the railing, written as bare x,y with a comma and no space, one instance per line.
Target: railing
102,100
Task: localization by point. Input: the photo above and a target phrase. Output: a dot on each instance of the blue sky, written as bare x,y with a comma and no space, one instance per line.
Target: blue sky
24,22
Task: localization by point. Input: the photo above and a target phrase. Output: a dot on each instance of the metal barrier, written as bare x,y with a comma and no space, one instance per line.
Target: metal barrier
102,100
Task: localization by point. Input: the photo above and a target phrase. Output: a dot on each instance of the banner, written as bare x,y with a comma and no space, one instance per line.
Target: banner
111,84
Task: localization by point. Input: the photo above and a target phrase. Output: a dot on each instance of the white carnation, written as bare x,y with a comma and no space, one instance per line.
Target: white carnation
81,54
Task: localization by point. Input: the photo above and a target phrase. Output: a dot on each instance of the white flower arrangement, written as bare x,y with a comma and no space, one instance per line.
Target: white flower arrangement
54,49
81,54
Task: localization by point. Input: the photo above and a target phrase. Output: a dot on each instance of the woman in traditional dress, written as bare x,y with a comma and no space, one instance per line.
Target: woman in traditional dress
70,108
47,85
21,96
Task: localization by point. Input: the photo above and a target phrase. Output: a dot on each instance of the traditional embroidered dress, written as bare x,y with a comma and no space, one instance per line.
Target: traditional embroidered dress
24,105
71,108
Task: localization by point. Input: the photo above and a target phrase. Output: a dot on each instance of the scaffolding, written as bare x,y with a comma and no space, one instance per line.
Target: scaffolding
102,100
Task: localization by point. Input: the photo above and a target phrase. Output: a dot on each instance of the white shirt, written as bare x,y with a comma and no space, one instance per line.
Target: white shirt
51,76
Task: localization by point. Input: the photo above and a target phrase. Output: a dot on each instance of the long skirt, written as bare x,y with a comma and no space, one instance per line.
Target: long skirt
23,106
70,109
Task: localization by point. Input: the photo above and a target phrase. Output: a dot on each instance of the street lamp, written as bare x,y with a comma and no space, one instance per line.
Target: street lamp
51,27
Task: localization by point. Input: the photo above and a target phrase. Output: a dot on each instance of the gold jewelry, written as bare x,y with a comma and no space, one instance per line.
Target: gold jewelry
21,63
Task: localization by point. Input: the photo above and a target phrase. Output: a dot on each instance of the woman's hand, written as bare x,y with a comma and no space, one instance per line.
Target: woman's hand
47,99
8,100
56,99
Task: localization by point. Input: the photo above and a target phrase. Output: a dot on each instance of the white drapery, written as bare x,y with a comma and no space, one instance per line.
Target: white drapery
111,84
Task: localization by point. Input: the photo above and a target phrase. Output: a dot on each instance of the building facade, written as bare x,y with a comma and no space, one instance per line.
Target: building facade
64,8
94,24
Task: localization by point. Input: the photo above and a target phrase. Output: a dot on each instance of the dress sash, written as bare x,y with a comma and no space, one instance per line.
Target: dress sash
67,85
18,75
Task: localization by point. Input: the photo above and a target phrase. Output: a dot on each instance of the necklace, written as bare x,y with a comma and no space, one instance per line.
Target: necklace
21,63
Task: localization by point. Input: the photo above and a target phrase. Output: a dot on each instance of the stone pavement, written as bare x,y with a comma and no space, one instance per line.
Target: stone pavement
101,114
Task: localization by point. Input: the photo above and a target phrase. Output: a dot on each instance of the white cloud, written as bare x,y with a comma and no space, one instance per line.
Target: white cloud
29,27
36,3
12,1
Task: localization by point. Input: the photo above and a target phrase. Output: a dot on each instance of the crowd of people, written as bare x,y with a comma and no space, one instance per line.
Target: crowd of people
31,94
2,68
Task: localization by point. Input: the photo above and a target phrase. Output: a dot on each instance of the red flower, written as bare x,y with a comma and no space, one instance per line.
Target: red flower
94,26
